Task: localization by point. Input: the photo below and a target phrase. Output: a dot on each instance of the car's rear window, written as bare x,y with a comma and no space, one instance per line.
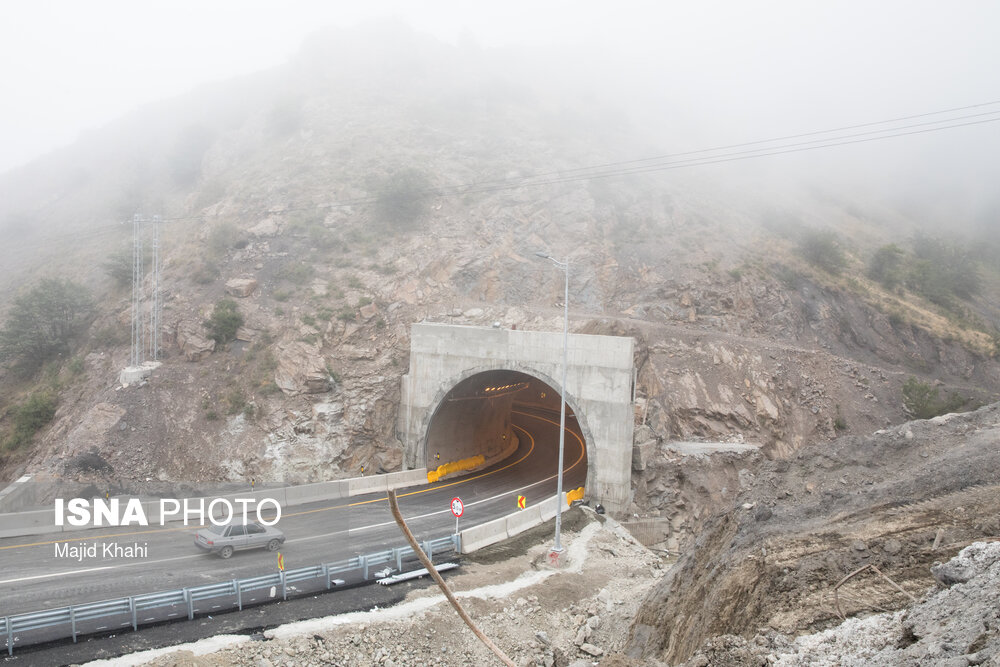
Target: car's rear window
218,530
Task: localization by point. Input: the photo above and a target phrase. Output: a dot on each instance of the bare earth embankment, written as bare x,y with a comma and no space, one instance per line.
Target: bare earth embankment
919,502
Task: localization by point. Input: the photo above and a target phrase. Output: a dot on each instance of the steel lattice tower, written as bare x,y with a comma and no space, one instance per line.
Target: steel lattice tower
145,333
138,339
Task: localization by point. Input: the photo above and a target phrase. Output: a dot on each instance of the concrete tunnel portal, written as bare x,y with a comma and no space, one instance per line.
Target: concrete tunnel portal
449,363
476,417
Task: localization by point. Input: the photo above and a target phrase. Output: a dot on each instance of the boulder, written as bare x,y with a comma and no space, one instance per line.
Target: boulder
241,287
301,369
265,228
191,340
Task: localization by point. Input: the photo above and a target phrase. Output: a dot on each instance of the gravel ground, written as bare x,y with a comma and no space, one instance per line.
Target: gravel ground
578,614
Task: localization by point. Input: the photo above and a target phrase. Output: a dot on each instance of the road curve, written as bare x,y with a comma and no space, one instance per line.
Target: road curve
33,578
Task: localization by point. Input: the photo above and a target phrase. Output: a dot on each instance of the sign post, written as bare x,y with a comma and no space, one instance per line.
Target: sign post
281,573
458,509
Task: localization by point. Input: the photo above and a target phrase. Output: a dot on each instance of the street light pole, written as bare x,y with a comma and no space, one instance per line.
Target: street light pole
562,403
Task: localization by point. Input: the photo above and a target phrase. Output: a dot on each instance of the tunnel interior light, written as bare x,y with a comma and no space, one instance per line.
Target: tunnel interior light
504,388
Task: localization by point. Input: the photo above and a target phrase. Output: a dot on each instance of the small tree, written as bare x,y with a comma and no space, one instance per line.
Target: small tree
924,402
119,266
886,266
43,322
943,270
226,319
30,417
821,248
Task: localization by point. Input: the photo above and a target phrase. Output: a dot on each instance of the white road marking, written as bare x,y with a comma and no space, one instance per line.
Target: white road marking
55,574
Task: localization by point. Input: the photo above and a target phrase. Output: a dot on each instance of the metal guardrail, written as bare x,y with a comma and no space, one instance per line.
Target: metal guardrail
133,610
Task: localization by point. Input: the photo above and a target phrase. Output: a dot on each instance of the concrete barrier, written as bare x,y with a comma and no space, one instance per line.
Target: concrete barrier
484,535
357,486
307,493
18,495
548,508
400,480
37,522
521,521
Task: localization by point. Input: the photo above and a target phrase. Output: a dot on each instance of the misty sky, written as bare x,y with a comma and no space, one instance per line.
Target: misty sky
737,71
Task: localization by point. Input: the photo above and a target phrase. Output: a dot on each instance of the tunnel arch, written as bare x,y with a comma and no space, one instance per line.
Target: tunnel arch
440,401
599,380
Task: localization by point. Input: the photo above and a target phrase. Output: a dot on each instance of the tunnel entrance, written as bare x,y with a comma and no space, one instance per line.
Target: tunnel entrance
486,414
454,361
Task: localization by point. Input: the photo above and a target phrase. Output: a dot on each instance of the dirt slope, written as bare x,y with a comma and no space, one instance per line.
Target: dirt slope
900,499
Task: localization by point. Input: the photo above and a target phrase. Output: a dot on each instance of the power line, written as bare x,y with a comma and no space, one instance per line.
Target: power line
674,160
637,166
758,142
717,159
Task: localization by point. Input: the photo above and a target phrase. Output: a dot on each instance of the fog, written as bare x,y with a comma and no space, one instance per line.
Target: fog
681,76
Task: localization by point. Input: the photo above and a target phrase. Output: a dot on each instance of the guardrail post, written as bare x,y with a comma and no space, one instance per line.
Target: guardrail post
364,566
187,596
236,588
72,621
428,548
284,589
131,607
239,594
326,575
10,636
399,560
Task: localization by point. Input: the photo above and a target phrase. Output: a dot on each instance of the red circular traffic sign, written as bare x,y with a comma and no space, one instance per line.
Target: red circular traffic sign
457,508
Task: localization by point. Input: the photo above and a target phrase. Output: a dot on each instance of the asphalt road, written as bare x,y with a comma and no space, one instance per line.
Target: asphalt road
33,578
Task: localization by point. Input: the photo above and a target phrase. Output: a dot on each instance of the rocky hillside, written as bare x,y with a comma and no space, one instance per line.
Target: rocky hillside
886,508
382,179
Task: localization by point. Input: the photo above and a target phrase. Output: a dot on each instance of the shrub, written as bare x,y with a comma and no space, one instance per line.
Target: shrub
297,272
76,366
118,266
236,401
923,401
839,423
43,322
943,271
886,266
29,418
402,197
822,249
224,236
205,272
226,319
